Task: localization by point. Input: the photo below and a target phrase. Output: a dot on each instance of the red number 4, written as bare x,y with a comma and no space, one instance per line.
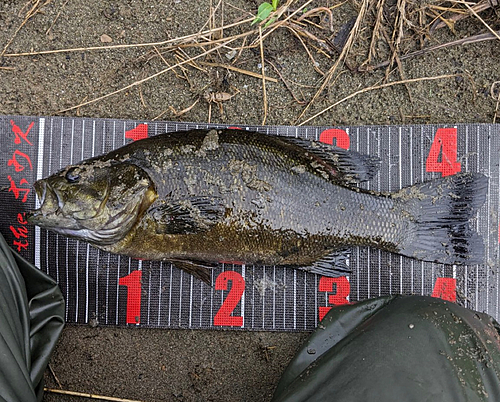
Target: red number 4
444,144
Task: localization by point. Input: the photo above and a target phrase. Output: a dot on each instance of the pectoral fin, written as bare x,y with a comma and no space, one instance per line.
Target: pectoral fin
187,216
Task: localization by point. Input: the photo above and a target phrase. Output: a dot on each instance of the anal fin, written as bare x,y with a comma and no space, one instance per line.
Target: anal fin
333,264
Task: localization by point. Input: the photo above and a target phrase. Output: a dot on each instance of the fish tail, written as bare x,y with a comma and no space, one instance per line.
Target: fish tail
441,213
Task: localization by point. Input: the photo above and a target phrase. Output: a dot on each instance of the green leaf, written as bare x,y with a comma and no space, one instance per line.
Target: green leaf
263,12
275,4
269,22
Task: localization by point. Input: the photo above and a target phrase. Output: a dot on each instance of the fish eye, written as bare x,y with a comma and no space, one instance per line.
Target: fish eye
72,175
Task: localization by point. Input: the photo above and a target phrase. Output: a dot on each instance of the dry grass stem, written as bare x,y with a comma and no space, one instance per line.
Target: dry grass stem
167,63
31,12
316,11
54,375
375,87
347,47
285,82
89,396
459,13
279,23
145,79
238,70
376,31
480,19
464,41
179,113
178,40
264,93
315,64
57,17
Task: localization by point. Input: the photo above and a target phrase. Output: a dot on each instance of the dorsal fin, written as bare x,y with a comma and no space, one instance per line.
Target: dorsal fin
342,166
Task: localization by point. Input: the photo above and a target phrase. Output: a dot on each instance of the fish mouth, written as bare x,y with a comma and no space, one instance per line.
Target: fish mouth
48,202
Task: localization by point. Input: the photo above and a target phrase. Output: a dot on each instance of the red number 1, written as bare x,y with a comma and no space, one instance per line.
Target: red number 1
133,283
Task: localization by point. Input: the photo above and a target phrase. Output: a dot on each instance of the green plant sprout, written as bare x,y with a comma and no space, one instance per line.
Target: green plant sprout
265,9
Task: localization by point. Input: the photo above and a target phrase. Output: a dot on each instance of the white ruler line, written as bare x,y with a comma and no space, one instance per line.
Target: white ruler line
87,296
305,298
488,232
107,287
67,279
170,296
284,297
478,220
315,301
274,297
368,273
190,301
497,240
160,291
243,274
202,303
400,163
179,318
294,299
263,297
82,156
378,190
77,282
117,289
253,296
212,288
149,294
39,175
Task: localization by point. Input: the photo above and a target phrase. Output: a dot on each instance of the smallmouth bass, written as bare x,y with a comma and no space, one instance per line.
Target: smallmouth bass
199,197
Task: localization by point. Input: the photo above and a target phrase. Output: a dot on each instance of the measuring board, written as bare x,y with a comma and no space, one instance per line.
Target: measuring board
106,289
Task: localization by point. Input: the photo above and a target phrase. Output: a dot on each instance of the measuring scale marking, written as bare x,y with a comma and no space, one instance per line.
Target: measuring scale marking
105,288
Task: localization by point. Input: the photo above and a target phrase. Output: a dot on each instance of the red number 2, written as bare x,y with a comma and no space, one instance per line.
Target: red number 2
223,316
445,143
340,296
133,283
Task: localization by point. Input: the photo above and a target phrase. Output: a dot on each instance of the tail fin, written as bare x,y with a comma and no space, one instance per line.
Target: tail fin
442,210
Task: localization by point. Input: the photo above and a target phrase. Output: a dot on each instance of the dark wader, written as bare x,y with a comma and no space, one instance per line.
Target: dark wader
31,320
397,349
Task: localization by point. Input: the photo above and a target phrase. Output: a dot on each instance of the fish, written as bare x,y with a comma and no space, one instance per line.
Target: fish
200,197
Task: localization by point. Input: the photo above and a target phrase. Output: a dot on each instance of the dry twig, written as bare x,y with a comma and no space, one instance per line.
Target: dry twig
463,41
90,396
389,84
179,40
263,75
31,13
57,17
145,79
329,75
